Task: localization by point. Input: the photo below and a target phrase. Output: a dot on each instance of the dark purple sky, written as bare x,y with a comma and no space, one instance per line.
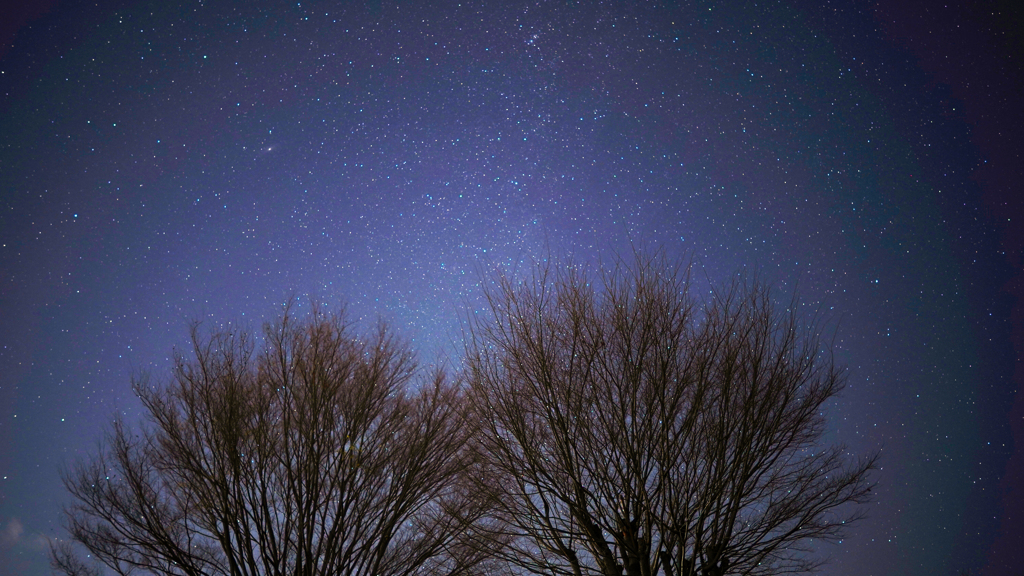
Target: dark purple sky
164,161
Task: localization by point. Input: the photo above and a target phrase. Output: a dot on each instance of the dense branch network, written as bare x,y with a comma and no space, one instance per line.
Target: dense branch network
312,456
630,429
610,426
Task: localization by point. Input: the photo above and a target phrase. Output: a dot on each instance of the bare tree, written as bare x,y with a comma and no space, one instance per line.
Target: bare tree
311,456
630,428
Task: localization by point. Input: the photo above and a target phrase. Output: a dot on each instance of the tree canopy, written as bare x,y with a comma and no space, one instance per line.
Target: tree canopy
630,428
312,455
609,425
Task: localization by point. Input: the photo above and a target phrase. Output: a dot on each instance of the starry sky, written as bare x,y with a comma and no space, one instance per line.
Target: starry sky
164,161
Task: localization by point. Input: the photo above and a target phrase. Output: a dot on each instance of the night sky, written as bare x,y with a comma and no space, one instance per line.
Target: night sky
165,161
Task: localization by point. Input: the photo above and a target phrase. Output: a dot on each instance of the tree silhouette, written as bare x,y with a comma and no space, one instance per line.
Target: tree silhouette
309,456
631,428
